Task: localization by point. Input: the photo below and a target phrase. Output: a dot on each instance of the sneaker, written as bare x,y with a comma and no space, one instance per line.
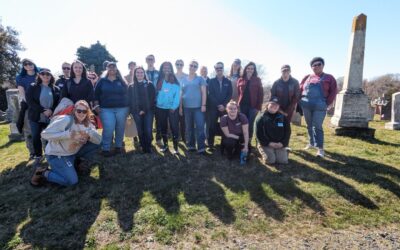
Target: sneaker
38,177
321,153
164,148
201,152
191,149
175,151
37,160
309,146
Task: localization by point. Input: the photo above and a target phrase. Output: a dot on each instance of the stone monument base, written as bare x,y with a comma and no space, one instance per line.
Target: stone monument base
392,125
355,132
14,135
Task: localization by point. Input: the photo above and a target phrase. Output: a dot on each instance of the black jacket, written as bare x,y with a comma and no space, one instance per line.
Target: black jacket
141,102
33,100
218,96
272,128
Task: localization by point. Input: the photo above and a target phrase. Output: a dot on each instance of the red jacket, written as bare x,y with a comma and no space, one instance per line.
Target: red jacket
256,91
329,86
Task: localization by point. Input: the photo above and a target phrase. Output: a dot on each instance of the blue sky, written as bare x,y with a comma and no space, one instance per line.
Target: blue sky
270,33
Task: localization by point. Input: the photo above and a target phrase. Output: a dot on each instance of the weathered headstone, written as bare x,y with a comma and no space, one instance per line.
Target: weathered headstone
352,105
394,124
13,113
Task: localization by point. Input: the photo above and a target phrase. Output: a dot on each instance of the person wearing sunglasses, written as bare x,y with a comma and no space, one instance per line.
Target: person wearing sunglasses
193,105
73,142
62,80
167,104
42,100
24,79
79,86
251,95
141,96
111,102
181,75
318,91
218,96
234,75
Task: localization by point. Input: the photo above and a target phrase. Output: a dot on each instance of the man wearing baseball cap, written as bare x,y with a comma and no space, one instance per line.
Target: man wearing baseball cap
272,131
287,90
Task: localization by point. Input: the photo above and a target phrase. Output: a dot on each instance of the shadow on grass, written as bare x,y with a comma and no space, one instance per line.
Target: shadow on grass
8,144
360,170
54,217
50,217
378,142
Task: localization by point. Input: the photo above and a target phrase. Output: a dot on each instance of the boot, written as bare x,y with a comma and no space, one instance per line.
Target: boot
38,178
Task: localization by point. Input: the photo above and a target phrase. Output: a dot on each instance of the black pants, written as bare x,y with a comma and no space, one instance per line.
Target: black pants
163,117
37,128
182,127
232,146
213,125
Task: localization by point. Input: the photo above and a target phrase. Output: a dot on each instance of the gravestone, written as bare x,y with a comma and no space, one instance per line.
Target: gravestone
13,113
394,124
351,114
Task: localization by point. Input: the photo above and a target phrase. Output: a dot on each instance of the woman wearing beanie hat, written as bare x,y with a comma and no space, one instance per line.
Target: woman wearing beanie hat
318,91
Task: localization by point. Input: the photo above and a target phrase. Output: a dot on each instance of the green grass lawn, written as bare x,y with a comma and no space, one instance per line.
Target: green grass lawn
193,201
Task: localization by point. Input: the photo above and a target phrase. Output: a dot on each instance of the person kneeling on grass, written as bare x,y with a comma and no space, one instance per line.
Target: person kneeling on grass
273,133
235,131
70,137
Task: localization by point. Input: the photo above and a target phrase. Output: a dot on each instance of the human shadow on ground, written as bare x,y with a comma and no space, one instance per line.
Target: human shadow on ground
361,170
53,217
49,217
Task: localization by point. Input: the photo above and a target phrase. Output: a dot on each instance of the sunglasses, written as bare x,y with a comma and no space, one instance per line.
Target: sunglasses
28,64
81,111
219,68
66,68
179,65
193,66
316,65
45,74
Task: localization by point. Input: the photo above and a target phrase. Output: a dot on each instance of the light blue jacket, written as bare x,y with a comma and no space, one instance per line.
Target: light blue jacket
168,97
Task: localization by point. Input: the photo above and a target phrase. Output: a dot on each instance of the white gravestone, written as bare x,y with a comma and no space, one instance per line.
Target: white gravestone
394,124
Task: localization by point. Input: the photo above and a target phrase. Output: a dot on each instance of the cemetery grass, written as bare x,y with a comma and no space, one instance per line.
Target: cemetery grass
192,201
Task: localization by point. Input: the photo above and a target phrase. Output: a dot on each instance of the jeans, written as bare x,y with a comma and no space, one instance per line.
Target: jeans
164,116
36,129
194,120
314,116
144,126
251,114
213,125
62,167
113,119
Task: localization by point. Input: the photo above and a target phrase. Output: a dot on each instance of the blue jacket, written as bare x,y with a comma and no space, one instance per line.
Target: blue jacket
168,97
111,94
217,95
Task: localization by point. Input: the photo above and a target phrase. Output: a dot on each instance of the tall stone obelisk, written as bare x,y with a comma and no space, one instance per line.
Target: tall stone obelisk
352,105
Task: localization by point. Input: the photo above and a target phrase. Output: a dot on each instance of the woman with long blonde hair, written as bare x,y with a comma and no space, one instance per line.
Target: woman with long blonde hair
70,138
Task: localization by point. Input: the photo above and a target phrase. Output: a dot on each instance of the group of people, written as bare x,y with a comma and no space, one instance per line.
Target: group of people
63,116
